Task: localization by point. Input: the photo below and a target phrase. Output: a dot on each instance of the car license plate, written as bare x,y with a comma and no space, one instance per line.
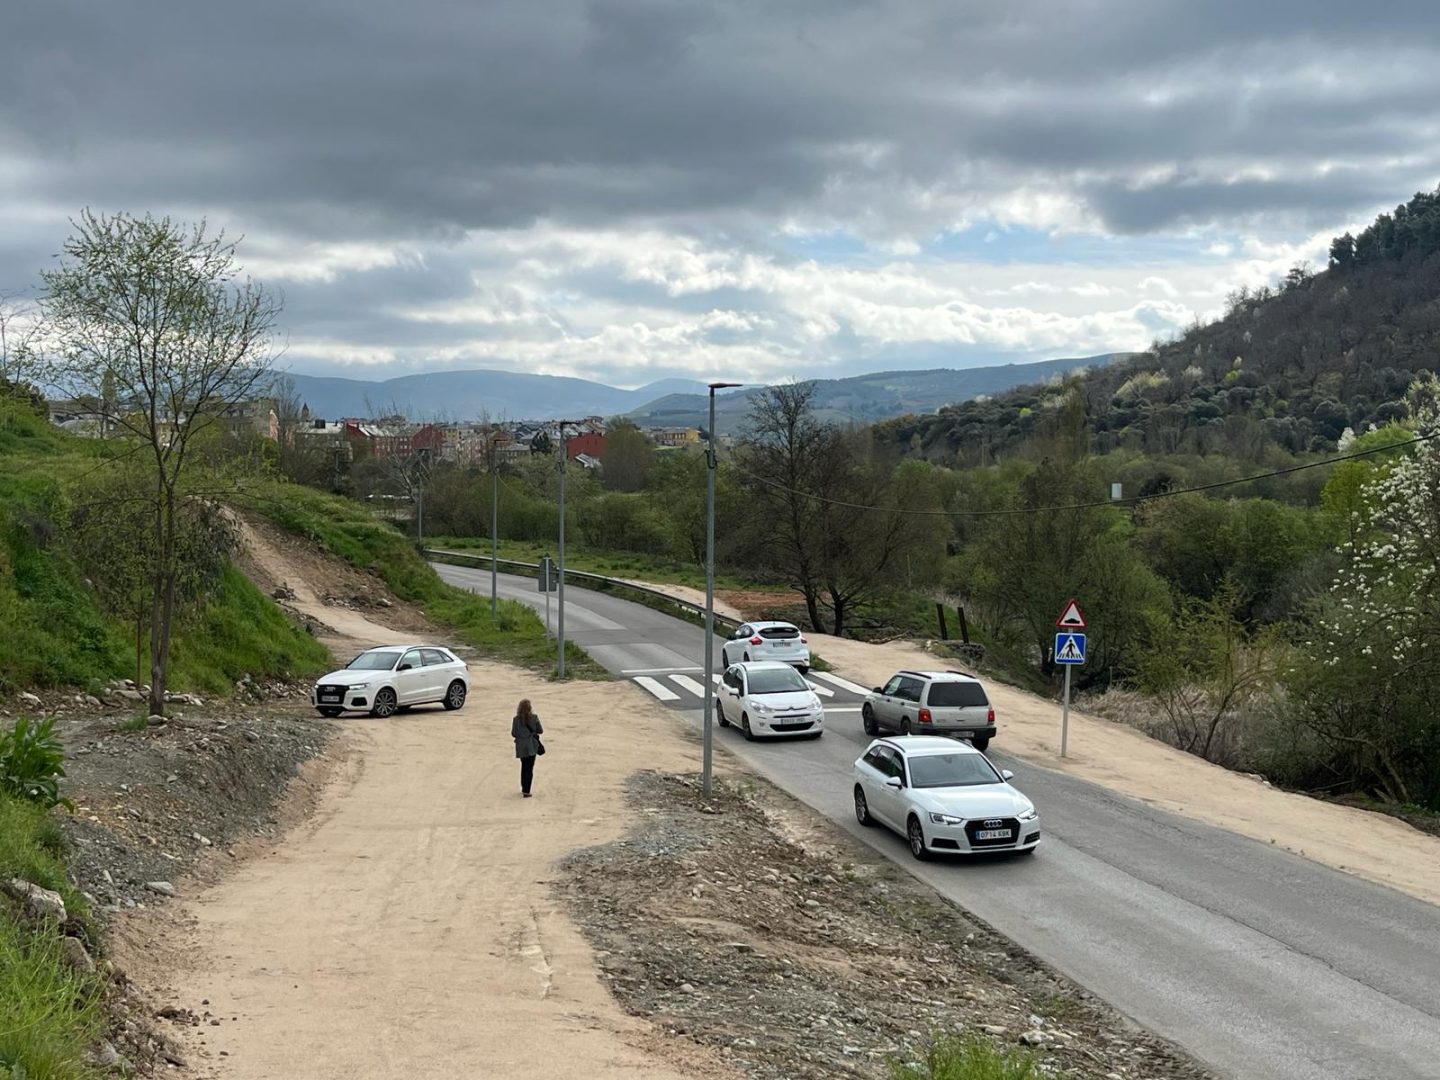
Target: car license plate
992,834
329,697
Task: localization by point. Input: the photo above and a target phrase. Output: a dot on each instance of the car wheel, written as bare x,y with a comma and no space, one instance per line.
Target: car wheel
455,696
385,703
720,714
867,720
331,714
905,726
862,808
981,744
745,726
916,835
804,669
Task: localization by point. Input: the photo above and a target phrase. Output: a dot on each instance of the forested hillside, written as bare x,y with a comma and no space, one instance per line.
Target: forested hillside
1288,368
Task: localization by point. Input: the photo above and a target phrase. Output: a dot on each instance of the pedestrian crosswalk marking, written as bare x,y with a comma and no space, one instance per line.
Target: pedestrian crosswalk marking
659,689
684,681
843,684
822,691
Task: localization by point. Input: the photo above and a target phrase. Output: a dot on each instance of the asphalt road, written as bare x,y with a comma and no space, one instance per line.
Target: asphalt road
1260,963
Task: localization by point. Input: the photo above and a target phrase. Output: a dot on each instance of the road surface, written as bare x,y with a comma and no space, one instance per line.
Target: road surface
1260,963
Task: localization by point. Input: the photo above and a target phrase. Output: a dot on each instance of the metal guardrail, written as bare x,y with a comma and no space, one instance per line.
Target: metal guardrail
579,577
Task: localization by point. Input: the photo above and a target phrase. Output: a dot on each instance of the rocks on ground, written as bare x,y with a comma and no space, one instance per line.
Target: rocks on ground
798,963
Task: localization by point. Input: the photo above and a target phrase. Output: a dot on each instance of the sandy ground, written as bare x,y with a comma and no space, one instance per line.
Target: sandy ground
406,927
1368,844
693,596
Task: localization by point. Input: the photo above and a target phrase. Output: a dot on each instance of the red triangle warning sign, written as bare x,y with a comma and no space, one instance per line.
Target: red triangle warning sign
1072,618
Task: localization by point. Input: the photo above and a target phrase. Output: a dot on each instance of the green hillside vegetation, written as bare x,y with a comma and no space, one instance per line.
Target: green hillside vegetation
1286,371
59,633
351,531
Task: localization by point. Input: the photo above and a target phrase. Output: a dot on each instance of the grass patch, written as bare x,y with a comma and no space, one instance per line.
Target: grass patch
238,632
352,532
969,1058
49,1015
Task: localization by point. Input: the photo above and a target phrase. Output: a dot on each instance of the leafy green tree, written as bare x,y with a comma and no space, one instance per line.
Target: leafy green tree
154,313
627,457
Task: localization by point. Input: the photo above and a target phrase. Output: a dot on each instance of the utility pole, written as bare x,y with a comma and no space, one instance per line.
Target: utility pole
710,466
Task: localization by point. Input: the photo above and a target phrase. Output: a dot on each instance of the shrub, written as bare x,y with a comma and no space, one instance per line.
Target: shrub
969,1058
32,761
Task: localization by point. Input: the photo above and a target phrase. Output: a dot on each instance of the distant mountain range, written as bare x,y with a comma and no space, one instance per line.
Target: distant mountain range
871,398
466,395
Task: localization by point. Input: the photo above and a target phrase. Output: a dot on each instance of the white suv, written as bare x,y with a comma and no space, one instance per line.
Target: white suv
931,703
943,796
393,679
767,641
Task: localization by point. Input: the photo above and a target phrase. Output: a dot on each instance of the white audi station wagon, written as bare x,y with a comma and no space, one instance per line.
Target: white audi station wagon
943,796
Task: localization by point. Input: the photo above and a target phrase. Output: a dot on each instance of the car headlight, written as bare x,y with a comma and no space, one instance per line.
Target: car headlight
761,707
1029,815
358,686
946,819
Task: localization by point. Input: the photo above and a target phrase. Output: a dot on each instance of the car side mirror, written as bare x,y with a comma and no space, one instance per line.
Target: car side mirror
893,782
876,690
1007,774
405,667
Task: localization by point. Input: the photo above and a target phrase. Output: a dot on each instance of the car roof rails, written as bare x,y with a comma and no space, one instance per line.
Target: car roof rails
957,671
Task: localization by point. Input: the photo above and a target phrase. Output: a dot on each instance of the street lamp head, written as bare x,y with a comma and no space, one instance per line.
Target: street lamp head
723,385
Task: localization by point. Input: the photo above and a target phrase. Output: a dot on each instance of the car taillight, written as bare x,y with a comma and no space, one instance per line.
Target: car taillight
803,641
924,716
990,719
756,640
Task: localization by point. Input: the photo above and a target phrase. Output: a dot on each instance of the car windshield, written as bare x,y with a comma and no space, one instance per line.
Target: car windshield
374,661
776,681
957,695
951,770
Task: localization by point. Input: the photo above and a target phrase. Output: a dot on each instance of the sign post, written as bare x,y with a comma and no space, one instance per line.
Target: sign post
1069,651
548,579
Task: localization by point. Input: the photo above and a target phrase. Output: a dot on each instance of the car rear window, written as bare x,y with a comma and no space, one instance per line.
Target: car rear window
780,632
957,695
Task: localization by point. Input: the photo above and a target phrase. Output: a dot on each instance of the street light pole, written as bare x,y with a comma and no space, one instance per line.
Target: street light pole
560,565
494,533
710,465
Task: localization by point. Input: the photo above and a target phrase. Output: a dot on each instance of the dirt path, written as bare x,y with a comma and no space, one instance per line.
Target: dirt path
273,559
408,928
1368,844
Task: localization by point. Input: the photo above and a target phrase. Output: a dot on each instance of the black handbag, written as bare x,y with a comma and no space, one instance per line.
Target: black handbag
539,747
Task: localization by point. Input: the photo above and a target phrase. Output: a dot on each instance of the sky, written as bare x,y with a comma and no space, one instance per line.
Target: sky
750,190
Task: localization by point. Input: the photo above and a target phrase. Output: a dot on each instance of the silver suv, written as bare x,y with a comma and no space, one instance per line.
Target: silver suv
931,703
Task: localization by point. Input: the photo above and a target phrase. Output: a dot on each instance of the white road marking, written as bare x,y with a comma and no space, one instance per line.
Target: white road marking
656,670
822,691
664,693
696,688
841,708
843,684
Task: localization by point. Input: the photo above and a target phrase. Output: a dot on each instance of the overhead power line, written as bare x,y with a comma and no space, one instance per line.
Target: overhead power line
1132,501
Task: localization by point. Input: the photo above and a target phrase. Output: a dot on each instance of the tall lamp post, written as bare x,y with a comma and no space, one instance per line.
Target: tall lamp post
560,566
494,529
710,465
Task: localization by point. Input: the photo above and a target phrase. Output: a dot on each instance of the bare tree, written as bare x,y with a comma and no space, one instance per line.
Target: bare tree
151,318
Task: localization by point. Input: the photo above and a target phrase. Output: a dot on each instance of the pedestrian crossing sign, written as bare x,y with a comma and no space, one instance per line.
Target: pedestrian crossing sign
1069,648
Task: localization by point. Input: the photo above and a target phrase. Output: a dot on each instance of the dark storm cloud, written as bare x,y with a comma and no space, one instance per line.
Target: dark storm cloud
431,118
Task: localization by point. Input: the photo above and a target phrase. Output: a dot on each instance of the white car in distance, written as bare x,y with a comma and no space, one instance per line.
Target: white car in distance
767,641
768,697
943,796
391,679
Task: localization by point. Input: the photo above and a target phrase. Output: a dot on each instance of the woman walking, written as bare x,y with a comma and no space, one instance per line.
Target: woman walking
525,729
